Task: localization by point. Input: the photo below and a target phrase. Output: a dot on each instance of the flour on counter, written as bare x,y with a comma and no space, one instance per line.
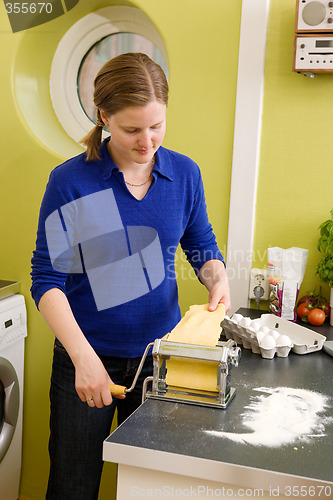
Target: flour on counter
281,416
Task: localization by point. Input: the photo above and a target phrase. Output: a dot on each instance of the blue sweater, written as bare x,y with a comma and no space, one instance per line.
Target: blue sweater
113,255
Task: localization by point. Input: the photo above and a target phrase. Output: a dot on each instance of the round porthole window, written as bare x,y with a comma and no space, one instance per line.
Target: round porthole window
9,405
86,46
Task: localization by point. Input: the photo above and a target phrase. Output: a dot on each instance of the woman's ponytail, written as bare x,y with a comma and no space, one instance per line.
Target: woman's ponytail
93,140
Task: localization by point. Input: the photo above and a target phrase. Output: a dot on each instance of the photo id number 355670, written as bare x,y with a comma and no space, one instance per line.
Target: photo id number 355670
315,491
28,8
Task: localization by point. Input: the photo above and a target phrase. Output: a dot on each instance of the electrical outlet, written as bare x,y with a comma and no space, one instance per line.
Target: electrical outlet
259,278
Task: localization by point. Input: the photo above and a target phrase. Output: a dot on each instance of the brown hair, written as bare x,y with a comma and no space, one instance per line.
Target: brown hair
131,79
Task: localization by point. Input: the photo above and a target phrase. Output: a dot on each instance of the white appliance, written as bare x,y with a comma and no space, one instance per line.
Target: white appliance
13,330
314,16
313,53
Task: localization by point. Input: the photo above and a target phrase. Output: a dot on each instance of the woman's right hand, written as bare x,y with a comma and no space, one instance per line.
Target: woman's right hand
92,382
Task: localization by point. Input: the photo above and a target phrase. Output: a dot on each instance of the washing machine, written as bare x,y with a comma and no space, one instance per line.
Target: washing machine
13,331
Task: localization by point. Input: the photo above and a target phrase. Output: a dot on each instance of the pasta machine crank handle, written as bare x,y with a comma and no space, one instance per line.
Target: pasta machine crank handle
117,390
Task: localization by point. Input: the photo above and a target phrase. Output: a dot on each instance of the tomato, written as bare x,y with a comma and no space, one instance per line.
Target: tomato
316,316
325,306
303,310
309,298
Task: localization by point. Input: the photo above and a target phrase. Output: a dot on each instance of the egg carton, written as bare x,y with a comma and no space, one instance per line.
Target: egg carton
271,335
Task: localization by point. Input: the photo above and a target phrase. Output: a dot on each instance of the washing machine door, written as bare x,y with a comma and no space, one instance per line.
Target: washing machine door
9,404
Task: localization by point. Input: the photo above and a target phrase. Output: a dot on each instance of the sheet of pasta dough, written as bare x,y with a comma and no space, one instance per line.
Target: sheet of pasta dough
202,327
199,326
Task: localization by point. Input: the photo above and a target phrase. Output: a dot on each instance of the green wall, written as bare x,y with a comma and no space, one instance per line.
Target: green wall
295,180
201,39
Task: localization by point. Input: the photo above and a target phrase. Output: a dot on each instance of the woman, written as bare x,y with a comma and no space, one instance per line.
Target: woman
103,269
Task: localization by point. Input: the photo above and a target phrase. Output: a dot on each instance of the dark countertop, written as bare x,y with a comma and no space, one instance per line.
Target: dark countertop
179,429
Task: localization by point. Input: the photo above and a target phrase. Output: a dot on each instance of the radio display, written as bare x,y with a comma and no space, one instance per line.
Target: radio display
324,43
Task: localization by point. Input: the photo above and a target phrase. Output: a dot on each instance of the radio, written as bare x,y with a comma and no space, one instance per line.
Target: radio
313,46
313,54
314,16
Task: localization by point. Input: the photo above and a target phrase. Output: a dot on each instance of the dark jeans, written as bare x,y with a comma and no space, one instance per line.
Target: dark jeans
77,431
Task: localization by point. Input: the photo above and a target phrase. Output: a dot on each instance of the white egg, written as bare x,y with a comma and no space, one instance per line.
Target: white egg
260,336
275,334
237,317
246,322
255,325
268,342
265,330
283,340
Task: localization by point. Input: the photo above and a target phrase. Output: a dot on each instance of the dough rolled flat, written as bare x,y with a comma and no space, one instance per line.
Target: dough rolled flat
192,374
201,327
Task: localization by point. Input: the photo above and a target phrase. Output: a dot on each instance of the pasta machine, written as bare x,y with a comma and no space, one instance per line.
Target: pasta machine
204,364
188,373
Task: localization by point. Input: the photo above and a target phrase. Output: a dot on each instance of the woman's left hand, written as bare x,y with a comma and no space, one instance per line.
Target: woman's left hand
213,275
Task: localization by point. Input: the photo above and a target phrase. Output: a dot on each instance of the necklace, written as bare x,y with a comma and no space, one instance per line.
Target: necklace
138,185
143,183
